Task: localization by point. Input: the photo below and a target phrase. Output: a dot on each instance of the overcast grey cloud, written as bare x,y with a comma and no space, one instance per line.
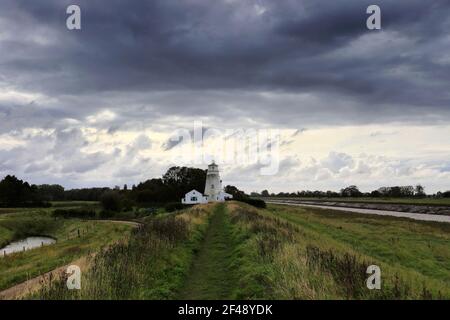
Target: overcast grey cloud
158,64
177,45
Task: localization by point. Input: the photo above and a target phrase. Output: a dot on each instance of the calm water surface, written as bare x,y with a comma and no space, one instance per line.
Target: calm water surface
28,243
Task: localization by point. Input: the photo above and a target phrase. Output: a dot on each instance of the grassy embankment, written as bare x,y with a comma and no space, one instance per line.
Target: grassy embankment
410,201
75,238
152,264
321,254
234,251
194,254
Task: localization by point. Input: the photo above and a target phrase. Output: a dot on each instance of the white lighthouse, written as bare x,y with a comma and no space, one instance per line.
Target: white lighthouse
213,189
213,185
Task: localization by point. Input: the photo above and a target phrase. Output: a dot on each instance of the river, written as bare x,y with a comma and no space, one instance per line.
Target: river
415,216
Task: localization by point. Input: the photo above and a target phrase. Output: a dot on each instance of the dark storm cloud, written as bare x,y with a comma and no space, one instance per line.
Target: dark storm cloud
182,56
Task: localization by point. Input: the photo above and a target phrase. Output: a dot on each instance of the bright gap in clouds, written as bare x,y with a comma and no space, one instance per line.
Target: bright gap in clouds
321,158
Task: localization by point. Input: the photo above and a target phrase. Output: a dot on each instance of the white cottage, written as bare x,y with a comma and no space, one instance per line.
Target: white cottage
193,197
213,189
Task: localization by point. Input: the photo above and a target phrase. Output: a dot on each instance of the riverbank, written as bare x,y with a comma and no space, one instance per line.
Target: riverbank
385,206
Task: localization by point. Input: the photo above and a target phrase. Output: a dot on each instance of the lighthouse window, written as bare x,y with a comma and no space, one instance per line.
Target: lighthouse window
212,186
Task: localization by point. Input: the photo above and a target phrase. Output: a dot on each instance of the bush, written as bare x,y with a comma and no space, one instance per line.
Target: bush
127,204
143,212
74,213
111,201
173,206
258,203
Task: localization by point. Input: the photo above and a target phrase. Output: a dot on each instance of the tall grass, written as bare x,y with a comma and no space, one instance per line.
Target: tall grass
257,239
347,271
299,264
151,264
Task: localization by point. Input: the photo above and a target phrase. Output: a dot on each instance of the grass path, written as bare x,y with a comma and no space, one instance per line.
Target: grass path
210,276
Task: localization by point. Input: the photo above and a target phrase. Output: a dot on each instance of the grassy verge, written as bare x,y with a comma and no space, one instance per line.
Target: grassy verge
318,254
152,264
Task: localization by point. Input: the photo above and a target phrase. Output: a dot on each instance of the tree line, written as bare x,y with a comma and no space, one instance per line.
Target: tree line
417,191
169,189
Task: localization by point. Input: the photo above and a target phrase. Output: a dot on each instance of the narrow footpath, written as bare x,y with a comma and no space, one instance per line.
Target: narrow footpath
210,276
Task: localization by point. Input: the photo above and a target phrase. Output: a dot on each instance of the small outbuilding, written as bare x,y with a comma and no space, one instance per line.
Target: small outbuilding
194,197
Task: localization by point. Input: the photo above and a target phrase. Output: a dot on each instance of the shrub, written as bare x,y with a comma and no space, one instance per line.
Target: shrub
111,201
127,205
258,203
143,212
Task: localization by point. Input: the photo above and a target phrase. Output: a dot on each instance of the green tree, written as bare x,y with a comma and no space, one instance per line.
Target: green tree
351,191
15,192
52,192
265,193
419,191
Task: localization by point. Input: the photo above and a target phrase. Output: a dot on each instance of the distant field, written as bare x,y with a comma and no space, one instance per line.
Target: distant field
13,210
235,251
55,205
412,201
21,223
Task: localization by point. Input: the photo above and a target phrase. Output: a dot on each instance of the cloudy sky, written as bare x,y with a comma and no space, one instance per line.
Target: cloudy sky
98,106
